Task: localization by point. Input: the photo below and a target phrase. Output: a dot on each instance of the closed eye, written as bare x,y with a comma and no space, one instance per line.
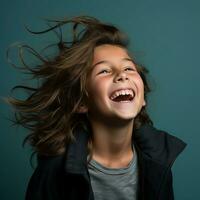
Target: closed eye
130,69
104,71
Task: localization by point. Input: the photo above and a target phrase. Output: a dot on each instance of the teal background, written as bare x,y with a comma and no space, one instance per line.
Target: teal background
166,37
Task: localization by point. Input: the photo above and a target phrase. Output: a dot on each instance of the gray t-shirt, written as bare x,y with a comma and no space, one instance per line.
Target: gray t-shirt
115,184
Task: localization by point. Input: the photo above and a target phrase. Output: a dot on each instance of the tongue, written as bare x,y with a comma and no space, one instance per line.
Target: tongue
123,98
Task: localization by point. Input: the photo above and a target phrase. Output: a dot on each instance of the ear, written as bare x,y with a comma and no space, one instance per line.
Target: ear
144,103
82,109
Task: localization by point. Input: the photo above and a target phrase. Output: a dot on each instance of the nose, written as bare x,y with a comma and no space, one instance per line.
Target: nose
121,77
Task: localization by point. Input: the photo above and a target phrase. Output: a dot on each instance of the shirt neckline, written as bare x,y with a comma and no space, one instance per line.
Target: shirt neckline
117,171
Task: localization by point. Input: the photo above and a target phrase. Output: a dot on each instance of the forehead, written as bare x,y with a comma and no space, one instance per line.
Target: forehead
109,52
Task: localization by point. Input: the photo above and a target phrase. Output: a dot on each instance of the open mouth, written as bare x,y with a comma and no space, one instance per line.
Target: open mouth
125,95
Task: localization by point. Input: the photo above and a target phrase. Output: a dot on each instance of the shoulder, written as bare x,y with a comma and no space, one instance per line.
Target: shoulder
50,167
46,179
50,162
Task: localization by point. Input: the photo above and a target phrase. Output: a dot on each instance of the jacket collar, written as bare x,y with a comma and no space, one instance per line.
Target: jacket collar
76,157
158,145
155,145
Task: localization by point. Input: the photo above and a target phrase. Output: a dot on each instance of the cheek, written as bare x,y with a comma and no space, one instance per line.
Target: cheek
100,88
95,88
141,84
102,82
97,96
138,80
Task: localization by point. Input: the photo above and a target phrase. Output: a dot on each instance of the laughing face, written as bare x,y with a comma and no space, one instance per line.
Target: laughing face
115,88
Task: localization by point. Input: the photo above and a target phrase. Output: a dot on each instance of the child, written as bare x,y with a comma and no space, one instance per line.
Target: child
88,121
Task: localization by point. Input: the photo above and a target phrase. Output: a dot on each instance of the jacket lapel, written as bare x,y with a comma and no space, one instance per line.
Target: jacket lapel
76,166
76,157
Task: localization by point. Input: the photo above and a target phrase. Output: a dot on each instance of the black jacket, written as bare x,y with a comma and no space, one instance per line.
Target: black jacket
66,177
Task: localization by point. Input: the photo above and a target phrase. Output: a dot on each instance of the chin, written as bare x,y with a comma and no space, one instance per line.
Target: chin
126,117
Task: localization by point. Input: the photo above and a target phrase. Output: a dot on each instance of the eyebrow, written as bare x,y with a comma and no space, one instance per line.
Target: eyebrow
105,61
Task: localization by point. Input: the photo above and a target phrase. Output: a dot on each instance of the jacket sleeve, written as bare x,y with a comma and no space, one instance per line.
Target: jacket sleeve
167,192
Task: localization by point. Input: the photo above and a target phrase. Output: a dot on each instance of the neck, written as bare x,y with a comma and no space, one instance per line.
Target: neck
112,143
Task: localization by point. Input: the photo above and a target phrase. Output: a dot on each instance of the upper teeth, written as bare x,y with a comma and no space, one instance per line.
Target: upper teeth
122,92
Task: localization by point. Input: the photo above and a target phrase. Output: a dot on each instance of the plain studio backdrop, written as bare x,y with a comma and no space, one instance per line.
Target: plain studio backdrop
165,36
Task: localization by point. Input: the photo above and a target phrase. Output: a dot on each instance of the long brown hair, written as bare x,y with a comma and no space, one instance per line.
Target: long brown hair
50,110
